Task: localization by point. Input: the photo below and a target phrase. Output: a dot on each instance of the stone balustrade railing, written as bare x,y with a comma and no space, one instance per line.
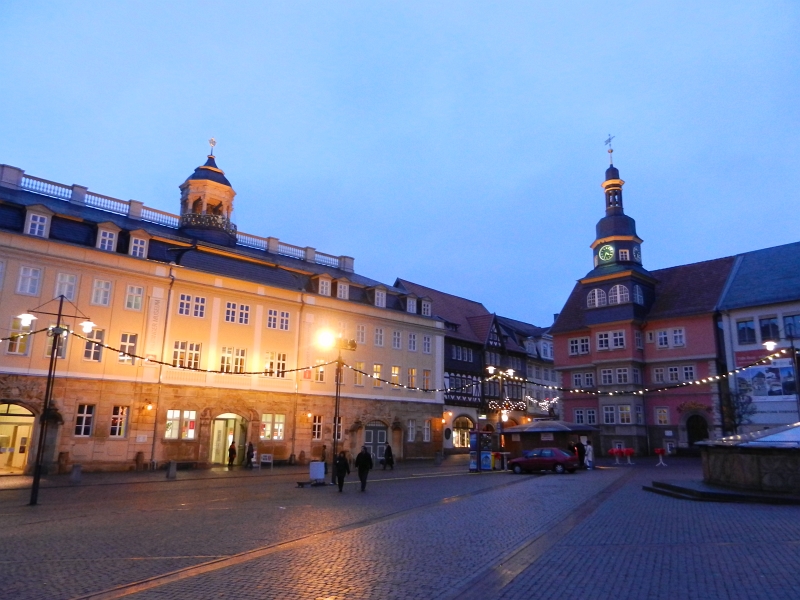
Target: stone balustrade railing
13,177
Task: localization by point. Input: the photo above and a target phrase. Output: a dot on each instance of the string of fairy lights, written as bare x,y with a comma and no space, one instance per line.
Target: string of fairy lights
499,376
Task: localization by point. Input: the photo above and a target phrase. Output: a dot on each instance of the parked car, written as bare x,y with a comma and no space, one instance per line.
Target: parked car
544,459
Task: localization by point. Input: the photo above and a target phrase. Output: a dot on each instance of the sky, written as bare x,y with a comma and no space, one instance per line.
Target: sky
458,145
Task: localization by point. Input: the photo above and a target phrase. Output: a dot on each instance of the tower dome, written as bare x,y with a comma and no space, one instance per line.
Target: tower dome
207,204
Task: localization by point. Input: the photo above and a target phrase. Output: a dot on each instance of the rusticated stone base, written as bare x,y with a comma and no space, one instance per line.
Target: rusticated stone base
759,469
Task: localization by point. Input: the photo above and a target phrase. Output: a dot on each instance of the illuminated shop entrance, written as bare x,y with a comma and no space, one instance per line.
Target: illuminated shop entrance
225,429
16,426
461,428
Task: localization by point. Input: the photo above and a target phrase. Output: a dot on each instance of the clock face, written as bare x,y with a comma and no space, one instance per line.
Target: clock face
637,254
606,253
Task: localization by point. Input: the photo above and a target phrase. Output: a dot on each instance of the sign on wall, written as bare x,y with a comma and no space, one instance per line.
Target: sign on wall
773,382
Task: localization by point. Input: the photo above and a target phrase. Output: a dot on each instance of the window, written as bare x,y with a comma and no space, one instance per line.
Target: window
602,341
672,373
589,379
606,376
688,373
397,342
127,348
93,349
62,344
637,375
184,304
180,425
573,347
361,334
638,296
316,427
324,287
426,344
37,225
411,305
426,308
618,294
597,297
578,416
230,312
678,337
637,337
663,339
378,336
412,430
272,318
358,373
138,247
426,431
119,422
337,426
199,307
639,415
272,427
83,420
107,241
232,360
275,364
186,354
342,291
624,255
133,297
618,339
17,343
625,414
284,322
577,380
591,416
412,377
380,298
662,415
769,329
319,372
426,379
101,292
658,374
395,375
376,375
609,418
412,342
791,324
28,282
622,375
65,285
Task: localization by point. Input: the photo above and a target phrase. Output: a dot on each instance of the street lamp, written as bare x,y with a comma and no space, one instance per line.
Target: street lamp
326,339
58,332
770,345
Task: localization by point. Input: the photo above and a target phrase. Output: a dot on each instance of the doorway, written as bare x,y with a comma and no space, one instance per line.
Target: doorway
375,439
16,426
696,429
226,429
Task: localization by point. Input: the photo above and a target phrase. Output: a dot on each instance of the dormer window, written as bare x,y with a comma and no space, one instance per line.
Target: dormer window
624,255
426,308
380,298
411,305
107,234
618,294
597,297
342,290
138,247
37,225
324,287
37,221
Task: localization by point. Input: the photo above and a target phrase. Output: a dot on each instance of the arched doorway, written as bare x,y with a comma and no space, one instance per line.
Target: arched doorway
461,428
228,428
696,429
375,438
16,428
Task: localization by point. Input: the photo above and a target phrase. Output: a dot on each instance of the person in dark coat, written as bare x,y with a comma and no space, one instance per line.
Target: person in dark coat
231,454
342,468
363,464
581,454
251,452
388,458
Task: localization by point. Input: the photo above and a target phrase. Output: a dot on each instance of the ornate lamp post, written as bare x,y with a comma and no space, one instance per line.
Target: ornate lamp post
58,333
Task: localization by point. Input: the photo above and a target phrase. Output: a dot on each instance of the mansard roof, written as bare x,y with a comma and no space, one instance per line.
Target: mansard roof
766,276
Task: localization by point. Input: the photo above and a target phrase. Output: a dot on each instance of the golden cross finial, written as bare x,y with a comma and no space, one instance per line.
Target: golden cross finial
610,149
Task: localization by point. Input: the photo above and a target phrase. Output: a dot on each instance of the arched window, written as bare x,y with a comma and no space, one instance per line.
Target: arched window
638,296
461,428
597,297
618,294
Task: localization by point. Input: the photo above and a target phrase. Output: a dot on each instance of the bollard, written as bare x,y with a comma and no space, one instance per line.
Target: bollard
172,469
75,474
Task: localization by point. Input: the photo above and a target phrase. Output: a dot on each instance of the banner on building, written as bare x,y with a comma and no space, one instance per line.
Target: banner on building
773,382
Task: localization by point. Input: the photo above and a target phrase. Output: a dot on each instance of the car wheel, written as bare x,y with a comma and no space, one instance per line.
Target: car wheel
558,468
517,469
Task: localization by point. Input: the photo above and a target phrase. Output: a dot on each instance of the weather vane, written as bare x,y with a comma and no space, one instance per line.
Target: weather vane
213,143
610,149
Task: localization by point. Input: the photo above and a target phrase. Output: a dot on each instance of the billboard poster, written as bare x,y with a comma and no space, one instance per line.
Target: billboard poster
772,382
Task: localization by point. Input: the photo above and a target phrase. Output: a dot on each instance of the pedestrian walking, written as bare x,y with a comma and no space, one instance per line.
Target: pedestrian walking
324,457
231,454
388,458
363,464
581,454
251,452
342,468
589,455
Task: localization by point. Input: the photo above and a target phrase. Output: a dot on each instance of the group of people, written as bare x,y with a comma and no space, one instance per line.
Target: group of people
251,452
363,465
585,454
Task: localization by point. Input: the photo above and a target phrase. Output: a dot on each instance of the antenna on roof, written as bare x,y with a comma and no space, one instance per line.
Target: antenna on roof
212,142
610,149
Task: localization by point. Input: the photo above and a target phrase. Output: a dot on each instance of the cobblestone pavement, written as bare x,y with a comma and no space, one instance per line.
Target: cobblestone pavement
418,532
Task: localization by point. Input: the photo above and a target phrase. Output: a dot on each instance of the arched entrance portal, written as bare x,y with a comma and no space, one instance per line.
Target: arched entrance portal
16,427
696,429
461,428
375,438
225,429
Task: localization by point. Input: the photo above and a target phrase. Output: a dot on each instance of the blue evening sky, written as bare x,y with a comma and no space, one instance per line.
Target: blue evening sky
455,144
